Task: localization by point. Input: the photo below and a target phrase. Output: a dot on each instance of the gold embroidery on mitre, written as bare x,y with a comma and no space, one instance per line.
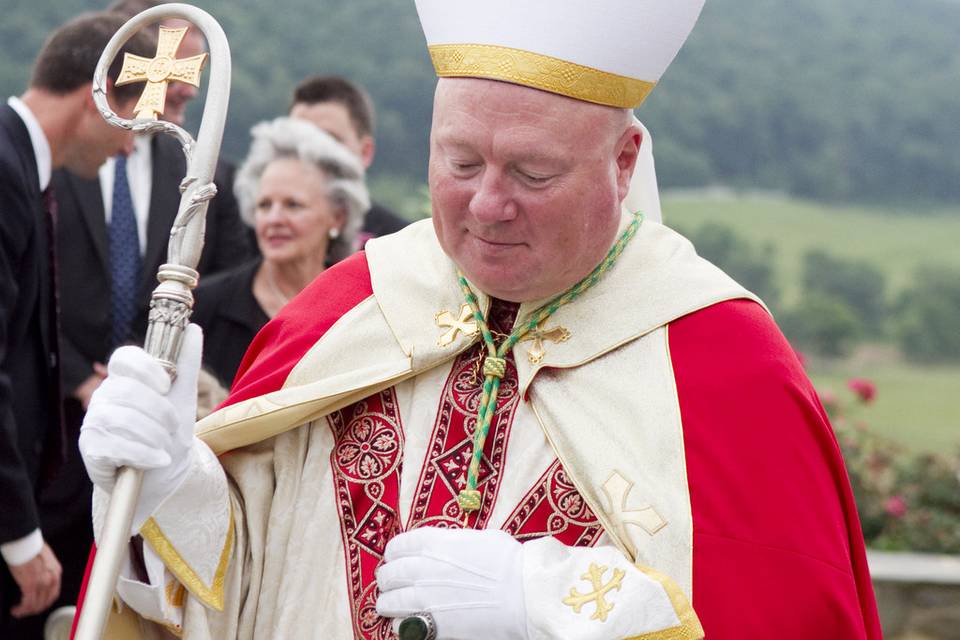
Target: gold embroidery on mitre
160,70
540,72
617,489
594,576
464,323
537,336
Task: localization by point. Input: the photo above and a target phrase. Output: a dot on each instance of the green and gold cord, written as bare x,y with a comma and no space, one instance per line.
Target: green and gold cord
495,364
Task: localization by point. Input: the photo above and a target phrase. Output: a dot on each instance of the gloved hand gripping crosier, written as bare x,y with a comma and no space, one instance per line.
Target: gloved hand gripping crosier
139,418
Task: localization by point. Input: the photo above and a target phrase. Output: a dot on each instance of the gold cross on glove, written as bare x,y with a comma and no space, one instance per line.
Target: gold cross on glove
160,70
594,576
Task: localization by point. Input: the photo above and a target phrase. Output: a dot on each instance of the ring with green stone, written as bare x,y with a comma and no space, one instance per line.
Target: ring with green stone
419,626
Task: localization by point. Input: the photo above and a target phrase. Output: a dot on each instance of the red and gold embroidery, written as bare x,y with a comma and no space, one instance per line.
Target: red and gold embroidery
448,456
366,461
554,507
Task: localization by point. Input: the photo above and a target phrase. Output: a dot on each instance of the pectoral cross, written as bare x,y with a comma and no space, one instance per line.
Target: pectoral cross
594,576
159,71
537,336
618,489
464,323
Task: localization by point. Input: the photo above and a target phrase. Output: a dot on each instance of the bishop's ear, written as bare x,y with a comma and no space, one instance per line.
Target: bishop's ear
627,151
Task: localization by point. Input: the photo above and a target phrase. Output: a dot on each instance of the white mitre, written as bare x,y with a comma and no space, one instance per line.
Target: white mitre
610,52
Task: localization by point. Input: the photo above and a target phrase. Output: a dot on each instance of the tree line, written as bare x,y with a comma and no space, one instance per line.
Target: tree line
845,301
850,101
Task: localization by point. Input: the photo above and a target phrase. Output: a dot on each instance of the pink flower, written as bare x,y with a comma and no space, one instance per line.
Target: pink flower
866,391
895,506
829,399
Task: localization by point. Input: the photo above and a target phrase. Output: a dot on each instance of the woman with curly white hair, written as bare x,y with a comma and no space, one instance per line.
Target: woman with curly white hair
304,195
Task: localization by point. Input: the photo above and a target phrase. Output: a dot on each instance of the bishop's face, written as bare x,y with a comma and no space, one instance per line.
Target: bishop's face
526,186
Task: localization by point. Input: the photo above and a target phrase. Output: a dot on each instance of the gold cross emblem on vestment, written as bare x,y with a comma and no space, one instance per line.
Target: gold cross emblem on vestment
594,576
617,488
160,70
463,323
537,336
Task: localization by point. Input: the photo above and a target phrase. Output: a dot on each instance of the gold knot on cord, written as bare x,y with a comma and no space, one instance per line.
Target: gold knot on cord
469,499
493,366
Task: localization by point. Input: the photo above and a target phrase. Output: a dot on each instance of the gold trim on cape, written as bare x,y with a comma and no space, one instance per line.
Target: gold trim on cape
540,72
689,627
211,596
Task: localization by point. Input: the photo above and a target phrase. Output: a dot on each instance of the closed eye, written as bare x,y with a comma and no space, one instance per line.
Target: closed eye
534,179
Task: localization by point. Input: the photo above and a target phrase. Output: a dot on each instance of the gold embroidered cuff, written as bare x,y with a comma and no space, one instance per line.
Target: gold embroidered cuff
689,628
209,594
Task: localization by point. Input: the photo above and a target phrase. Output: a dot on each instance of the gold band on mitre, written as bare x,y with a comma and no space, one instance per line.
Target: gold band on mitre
540,72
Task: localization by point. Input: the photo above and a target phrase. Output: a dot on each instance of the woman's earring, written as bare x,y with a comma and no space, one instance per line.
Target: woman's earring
334,233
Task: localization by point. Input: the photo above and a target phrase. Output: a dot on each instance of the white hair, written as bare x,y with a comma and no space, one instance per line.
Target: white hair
286,137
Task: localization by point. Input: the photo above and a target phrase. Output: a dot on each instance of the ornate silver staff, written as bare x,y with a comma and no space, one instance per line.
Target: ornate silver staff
172,301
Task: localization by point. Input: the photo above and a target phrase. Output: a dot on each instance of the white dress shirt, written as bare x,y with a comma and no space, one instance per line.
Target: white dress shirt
41,147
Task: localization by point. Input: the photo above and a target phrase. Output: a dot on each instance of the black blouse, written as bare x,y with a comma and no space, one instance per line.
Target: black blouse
230,317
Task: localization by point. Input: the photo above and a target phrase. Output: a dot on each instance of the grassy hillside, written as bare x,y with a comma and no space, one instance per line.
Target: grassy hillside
897,241
916,405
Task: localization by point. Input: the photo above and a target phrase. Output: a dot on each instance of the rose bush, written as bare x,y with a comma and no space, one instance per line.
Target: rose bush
907,501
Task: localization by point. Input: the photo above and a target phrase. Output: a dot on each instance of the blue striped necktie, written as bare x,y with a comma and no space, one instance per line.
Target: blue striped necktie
124,257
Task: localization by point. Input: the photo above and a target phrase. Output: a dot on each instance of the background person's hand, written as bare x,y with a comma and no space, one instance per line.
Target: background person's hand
85,390
39,582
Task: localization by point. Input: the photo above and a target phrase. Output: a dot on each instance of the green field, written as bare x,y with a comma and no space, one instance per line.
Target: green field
896,241
917,405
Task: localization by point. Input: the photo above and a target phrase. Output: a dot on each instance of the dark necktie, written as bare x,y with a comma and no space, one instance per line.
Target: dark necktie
124,257
55,445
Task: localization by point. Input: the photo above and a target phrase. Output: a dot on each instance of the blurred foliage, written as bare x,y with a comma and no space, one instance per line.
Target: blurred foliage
928,316
751,266
821,323
843,300
850,100
905,501
857,283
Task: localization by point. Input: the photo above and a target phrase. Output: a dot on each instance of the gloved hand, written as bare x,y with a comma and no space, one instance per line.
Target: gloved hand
470,581
136,418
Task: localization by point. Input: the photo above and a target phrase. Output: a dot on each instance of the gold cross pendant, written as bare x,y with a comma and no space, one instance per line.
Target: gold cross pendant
537,336
159,71
464,323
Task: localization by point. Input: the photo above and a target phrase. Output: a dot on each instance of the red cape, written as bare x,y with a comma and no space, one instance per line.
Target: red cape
777,547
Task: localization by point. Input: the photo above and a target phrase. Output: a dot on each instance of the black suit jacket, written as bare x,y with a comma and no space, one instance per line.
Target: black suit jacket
381,221
84,253
29,406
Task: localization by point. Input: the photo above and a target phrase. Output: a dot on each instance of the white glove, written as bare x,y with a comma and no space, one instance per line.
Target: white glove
470,581
136,418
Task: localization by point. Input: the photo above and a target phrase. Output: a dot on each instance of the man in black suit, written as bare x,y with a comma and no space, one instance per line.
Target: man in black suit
345,111
85,255
54,123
